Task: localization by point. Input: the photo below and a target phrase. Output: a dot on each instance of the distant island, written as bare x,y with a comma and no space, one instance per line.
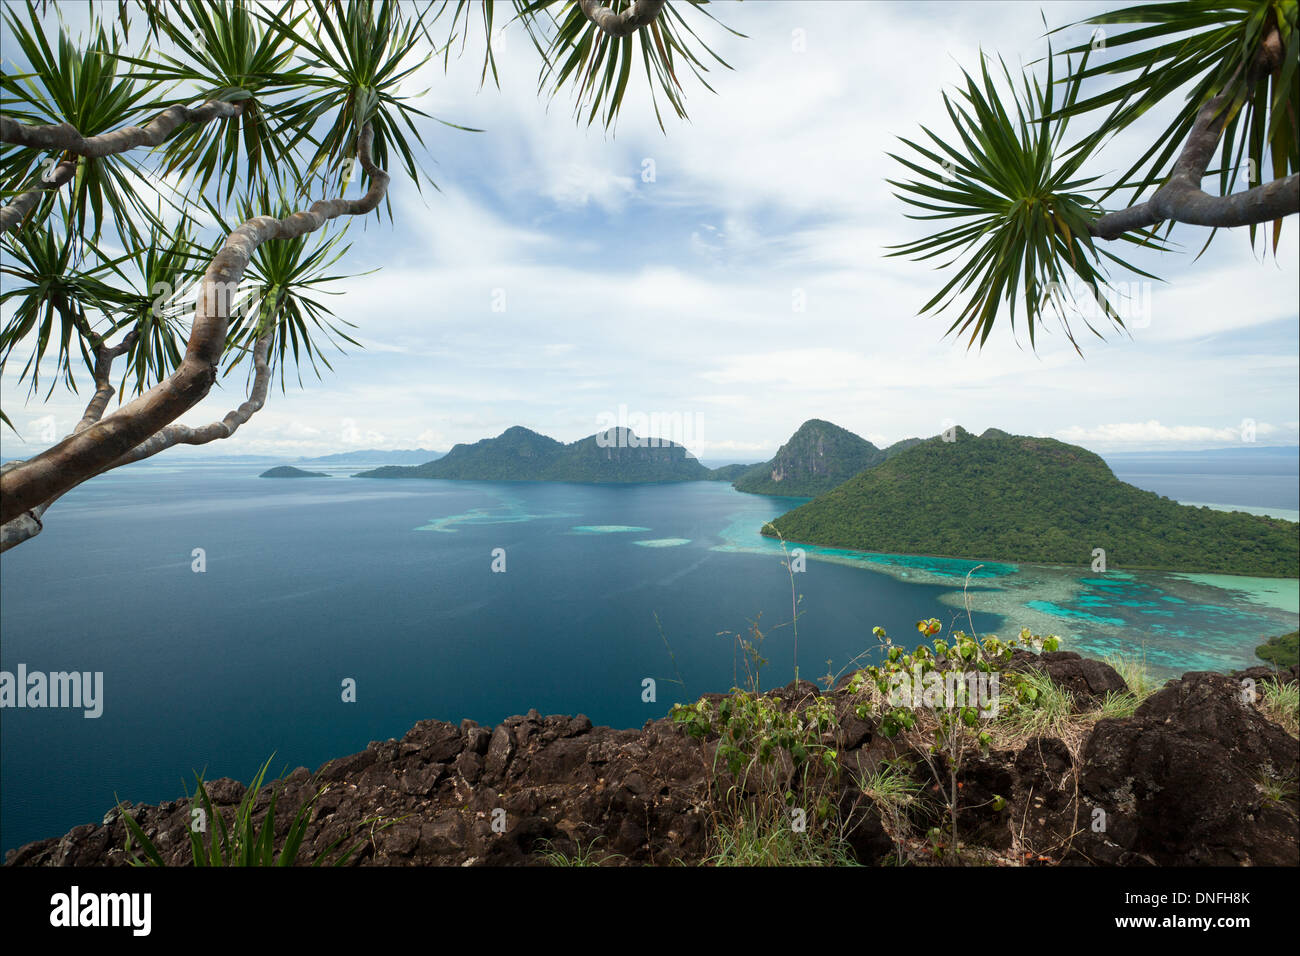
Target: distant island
728,472
616,455
375,456
818,456
1017,498
288,471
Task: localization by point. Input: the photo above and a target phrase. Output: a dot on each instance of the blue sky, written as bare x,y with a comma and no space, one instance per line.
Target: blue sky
678,296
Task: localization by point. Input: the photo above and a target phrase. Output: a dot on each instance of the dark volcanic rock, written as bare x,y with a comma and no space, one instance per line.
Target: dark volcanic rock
224,790
1194,777
1184,781
500,749
1087,679
1283,675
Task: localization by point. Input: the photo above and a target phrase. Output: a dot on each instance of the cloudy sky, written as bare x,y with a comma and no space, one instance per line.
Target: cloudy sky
554,279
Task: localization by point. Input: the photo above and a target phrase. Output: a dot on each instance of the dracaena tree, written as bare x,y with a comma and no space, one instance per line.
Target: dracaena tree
174,188
1024,222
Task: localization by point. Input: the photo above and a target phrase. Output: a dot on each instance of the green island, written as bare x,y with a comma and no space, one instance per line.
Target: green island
520,454
1032,500
288,471
729,472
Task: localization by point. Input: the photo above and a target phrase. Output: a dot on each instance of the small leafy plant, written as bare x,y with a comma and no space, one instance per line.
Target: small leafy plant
783,766
928,691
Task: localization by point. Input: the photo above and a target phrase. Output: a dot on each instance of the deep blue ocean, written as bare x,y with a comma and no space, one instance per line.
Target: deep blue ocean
390,583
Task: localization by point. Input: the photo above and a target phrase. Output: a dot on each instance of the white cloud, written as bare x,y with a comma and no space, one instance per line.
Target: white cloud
579,185
1153,434
679,293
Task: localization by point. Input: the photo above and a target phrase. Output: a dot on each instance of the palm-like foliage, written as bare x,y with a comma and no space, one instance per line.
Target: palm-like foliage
599,66
458,36
144,298
1021,208
277,297
577,52
358,58
225,53
58,293
51,302
307,75
1213,47
1025,208
87,87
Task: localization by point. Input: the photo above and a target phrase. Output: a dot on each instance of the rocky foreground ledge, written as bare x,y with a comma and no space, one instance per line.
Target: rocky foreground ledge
1184,781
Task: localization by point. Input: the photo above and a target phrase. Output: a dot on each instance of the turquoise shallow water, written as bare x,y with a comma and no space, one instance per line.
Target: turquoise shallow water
1175,622
605,528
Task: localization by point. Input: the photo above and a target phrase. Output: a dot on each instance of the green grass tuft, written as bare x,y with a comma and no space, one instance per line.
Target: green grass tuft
581,857
768,839
1281,704
1052,710
1134,671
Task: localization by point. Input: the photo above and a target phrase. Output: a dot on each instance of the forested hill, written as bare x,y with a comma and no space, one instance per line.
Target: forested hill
728,472
519,454
818,456
1016,498
288,471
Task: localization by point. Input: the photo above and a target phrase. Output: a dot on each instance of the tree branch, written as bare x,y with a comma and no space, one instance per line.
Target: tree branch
1181,198
26,525
104,357
64,139
639,14
1262,204
14,213
185,435
85,454
29,524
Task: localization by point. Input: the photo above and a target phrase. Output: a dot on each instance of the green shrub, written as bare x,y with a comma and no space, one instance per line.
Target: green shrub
953,724
1282,651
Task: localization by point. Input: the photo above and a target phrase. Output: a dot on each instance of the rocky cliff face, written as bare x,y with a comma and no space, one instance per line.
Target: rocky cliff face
817,457
1182,782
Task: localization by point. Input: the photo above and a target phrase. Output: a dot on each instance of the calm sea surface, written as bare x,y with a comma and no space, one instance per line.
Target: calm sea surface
390,584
